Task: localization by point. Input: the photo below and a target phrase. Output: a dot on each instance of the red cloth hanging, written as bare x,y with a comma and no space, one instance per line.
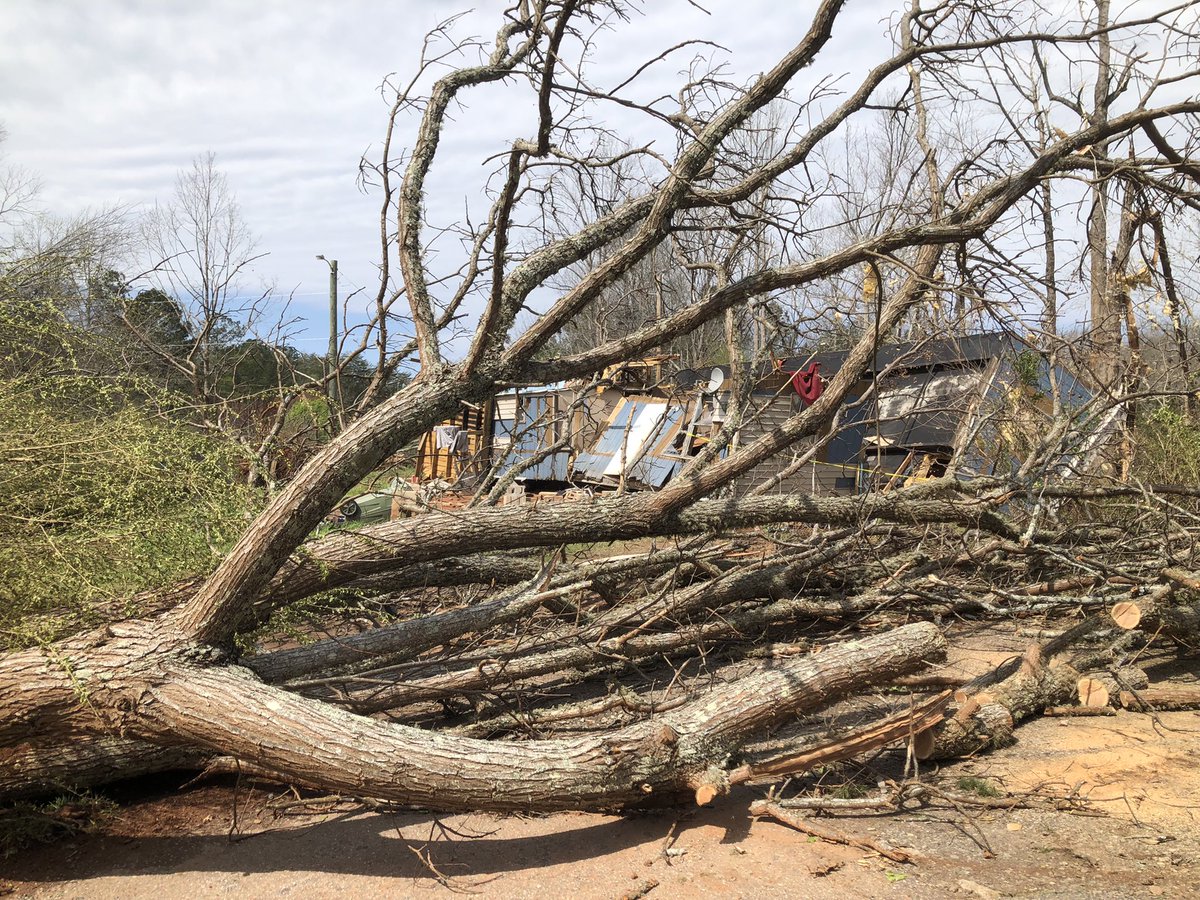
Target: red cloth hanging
808,383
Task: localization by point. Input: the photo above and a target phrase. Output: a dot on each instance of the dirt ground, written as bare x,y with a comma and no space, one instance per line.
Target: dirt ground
1133,832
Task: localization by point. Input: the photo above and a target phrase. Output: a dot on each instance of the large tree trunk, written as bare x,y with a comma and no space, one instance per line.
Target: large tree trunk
38,769
226,710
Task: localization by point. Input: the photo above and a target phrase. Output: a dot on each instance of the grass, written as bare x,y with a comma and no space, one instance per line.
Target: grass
25,823
851,790
981,787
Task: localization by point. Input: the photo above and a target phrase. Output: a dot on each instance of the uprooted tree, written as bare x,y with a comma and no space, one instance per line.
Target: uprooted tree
944,247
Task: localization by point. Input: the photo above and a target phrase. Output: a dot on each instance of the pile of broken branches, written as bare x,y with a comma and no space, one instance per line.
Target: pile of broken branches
685,665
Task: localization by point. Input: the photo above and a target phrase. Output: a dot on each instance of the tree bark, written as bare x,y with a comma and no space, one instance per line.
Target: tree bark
227,711
341,558
38,769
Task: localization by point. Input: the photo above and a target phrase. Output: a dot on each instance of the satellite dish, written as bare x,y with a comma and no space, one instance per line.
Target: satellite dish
715,381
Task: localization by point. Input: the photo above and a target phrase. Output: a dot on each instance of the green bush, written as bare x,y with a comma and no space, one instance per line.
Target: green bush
1167,447
102,496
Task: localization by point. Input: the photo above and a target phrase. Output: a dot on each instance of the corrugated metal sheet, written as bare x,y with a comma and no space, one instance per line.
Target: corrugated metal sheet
592,463
638,438
552,468
658,463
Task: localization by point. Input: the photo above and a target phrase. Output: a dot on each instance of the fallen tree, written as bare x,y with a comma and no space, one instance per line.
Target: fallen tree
180,686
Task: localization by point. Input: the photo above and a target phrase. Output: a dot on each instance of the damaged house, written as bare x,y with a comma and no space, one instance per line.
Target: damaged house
965,405
962,405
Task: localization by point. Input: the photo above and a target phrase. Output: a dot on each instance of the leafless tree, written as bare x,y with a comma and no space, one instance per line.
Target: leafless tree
200,253
173,684
47,267
202,249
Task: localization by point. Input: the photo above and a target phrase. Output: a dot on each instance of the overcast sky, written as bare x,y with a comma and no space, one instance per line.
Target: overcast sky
105,102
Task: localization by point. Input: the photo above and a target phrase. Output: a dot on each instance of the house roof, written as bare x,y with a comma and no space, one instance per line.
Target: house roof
925,409
912,355
970,348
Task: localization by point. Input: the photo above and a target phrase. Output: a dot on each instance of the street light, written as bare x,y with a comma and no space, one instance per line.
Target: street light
333,324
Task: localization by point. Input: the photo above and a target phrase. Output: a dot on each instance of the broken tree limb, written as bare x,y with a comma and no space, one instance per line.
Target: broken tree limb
38,769
1056,586
477,568
373,692
807,826
530,721
992,705
403,640
986,719
341,557
900,727
1182,578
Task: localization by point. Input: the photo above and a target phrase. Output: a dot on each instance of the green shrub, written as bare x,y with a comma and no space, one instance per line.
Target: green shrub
102,496
1167,447
979,786
24,824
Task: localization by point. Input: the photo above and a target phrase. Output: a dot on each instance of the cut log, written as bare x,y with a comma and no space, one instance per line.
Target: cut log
1127,615
1130,678
1100,689
1094,692
1020,688
1154,613
709,785
923,743
1165,697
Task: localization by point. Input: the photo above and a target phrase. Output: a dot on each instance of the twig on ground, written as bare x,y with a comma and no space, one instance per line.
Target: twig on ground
775,811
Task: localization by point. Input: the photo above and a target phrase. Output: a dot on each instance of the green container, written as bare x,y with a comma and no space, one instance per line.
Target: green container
373,507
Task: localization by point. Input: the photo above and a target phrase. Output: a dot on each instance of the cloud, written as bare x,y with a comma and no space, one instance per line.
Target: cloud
107,101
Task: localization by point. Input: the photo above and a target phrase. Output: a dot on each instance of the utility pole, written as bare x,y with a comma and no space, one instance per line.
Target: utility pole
334,389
